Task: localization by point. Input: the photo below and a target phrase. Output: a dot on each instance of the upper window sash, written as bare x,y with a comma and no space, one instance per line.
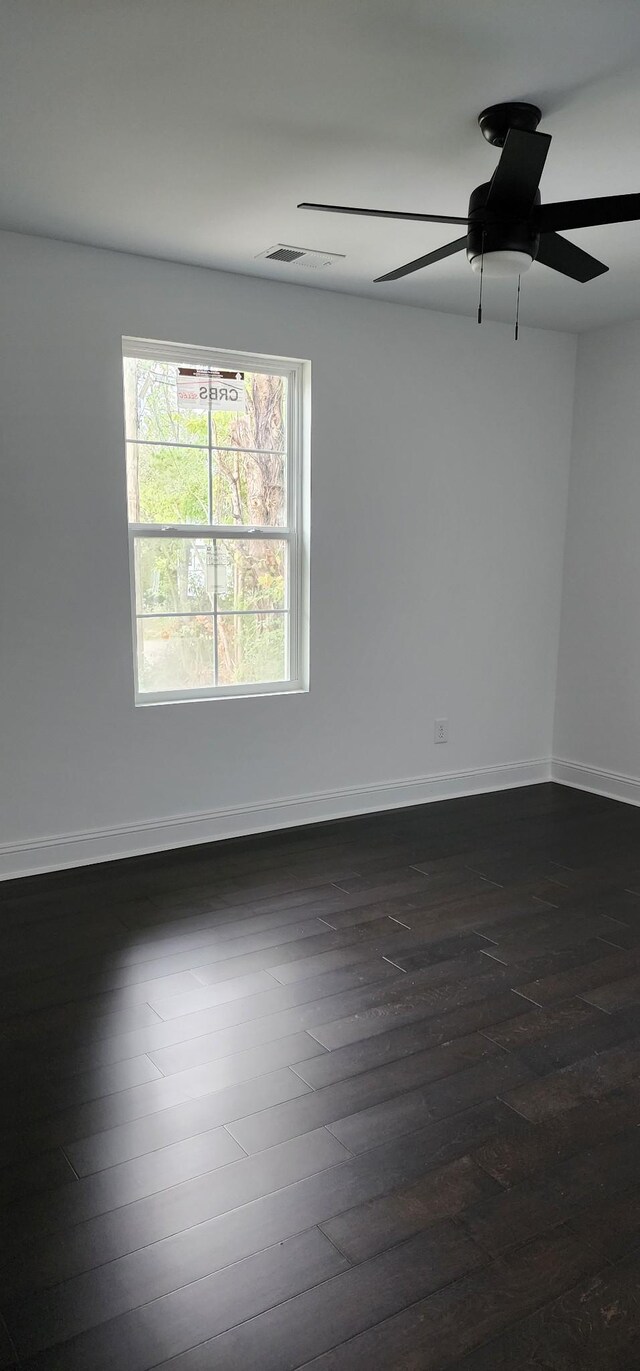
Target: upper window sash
206,466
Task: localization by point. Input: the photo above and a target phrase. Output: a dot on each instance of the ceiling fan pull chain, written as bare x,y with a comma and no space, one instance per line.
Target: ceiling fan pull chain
481,276
517,311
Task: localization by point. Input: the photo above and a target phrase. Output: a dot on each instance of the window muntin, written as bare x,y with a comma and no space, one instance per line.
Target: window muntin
214,503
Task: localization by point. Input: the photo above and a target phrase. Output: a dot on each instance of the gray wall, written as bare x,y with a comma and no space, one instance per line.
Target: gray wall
598,703
439,483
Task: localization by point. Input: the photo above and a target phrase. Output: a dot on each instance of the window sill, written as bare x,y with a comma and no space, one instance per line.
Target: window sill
143,701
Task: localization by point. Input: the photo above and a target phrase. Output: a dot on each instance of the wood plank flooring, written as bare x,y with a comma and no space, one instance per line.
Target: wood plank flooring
359,1095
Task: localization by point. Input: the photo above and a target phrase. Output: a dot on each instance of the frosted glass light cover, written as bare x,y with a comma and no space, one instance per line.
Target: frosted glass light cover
503,262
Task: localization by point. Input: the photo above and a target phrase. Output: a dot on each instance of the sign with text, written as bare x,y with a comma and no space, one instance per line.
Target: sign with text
206,388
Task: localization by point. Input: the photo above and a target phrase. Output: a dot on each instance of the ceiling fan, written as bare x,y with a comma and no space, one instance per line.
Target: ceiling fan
507,228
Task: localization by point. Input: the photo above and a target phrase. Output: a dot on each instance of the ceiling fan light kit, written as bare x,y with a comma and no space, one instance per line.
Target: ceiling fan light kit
503,262
507,227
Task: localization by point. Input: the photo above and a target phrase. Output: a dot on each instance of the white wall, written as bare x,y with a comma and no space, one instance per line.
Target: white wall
598,702
439,484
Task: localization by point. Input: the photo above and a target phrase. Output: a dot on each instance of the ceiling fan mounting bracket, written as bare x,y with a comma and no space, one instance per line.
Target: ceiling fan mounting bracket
496,120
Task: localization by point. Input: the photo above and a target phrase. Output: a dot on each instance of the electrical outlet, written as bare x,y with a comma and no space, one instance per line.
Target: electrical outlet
441,731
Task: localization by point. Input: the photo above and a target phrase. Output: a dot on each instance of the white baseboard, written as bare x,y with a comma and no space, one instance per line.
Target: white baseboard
610,783
184,830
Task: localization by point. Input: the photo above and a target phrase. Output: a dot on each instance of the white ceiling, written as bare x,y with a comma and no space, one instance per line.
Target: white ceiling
190,129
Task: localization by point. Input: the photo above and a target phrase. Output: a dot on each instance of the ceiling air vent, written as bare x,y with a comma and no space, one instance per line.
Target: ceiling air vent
285,254
299,257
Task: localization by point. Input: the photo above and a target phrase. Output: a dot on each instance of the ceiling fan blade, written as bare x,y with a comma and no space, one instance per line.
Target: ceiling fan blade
388,214
517,175
426,261
570,214
561,255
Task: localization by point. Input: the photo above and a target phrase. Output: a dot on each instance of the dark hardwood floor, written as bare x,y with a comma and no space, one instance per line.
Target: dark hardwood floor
361,1095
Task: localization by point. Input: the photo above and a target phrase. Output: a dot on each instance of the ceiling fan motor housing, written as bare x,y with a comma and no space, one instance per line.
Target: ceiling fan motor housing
496,234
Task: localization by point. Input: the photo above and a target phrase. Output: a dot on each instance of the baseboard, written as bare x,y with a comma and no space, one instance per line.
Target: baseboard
610,783
129,840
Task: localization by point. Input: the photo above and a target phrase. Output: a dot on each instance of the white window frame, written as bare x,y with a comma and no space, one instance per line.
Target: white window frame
295,532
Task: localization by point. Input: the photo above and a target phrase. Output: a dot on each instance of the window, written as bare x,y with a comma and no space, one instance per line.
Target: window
216,496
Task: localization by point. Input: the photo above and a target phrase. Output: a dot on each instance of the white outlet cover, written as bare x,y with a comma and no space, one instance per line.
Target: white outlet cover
441,731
